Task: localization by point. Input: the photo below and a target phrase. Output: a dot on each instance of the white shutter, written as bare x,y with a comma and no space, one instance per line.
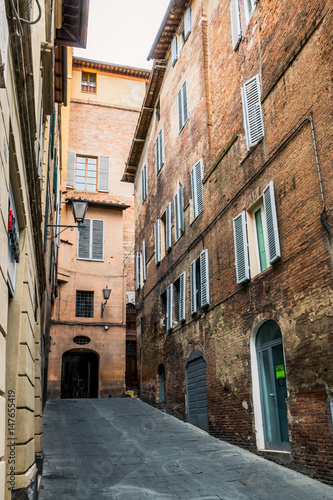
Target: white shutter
197,188
104,174
58,229
241,248
253,119
158,168
169,307
180,111
84,240
161,148
70,170
174,54
144,183
193,284
137,271
181,208
271,223
97,238
144,269
185,111
235,23
157,241
187,23
182,297
168,228
41,142
204,278
176,206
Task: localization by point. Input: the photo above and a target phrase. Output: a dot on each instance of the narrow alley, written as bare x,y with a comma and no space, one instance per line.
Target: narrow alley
123,449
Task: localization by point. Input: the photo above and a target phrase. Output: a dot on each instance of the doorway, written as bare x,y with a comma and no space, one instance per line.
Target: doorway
273,386
196,388
161,380
79,375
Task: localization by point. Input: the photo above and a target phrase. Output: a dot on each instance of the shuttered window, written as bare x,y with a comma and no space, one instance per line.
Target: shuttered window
157,241
137,271
168,227
174,50
271,224
91,240
144,268
204,279
182,297
253,119
70,170
179,211
187,23
58,229
193,284
159,151
241,248
104,174
144,183
169,315
235,23
199,282
182,106
197,188
41,141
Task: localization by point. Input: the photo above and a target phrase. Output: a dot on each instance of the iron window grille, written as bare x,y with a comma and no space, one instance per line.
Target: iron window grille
84,304
81,340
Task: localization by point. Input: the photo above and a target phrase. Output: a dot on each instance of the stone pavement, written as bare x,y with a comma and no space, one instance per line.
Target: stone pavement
123,449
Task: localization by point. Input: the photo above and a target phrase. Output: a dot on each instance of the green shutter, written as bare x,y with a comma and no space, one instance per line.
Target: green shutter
97,251
84,240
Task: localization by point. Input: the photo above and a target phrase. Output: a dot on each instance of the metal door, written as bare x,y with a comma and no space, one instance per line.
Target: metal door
196,387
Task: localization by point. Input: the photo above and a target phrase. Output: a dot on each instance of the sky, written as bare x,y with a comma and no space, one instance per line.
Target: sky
123,31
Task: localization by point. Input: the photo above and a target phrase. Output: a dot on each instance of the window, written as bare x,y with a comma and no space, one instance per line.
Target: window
199,279
144,183
179,40
137,271
158,110
88,83
253,119
176,302
91,240
163,234
159,151
235,24
179,211
197,188
84,304
13,243
182,106
140,267
256,237
85,173
249,6
41,141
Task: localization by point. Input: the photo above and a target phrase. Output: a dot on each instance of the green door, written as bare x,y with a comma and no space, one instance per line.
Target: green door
273,387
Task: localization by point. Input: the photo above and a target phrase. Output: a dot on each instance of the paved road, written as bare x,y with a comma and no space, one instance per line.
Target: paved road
123,449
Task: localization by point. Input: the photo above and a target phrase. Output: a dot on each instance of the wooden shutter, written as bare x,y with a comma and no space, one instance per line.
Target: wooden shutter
235,24
70,181
193,284
185,111
187,23
137,271
158,168
97,250
274,251
84,240
157,241
104,174
180,111
169,307
174,54
182,297
58,229
144,269
241,248
204,279
197,189
168,228
253,119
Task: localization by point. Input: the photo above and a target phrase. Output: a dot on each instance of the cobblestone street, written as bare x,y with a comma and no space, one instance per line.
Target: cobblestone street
123,449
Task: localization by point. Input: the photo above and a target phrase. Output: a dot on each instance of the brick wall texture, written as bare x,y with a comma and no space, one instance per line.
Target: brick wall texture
289,44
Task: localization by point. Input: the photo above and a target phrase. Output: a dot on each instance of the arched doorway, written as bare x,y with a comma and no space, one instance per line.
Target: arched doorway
161,380
79,374
196,389
273,386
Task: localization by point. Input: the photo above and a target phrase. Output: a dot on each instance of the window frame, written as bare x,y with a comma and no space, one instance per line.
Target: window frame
144,183
182,102
91,241
91,305
197,203
159,151
199,282
89,84
252,112
248,15
86,167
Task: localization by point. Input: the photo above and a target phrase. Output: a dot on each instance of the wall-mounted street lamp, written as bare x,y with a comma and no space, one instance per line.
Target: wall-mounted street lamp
79,208
106,295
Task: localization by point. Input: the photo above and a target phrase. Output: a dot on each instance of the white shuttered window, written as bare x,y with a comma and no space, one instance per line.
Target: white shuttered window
182,297
168,227
157,241
174,50
179,211
159,151
199,281
144,268
137,271
169,307
187,23
144,183
235,23
182,106
253,119
91,240
204,279
271,223
104,174
197,188
241,248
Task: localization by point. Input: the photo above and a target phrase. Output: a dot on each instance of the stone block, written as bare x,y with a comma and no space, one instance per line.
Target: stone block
2,479
25,393
2,363
38,425
3,420
38,443
26,363
25,456
25,425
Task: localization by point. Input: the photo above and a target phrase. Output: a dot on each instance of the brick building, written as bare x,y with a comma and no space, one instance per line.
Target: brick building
87,356
233,203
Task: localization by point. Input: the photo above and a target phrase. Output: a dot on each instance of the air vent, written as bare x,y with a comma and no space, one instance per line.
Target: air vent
81,340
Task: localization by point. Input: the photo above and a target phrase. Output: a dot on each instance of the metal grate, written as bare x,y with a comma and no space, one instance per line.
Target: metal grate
81,340
84,304
130,348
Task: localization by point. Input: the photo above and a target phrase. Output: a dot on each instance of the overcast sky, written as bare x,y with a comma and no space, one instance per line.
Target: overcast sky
123,31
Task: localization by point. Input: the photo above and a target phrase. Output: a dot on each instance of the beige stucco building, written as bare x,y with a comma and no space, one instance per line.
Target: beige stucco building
87,354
